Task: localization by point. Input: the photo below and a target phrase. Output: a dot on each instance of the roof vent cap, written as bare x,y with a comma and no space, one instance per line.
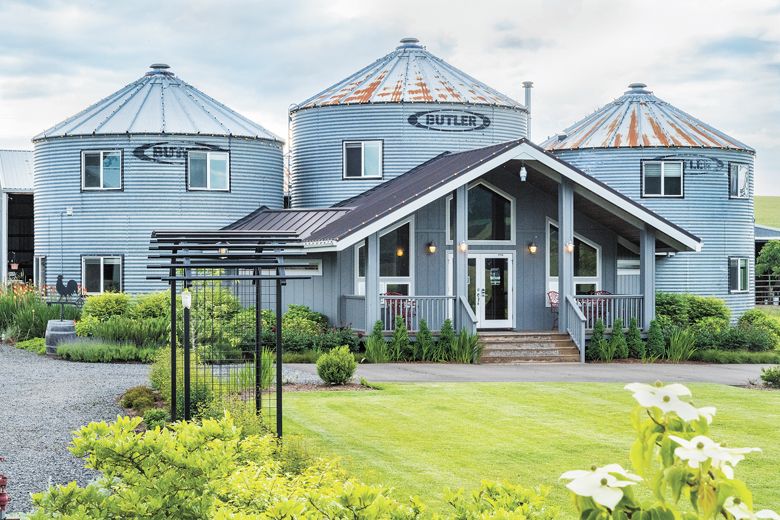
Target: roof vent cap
410,43
159,68
637,88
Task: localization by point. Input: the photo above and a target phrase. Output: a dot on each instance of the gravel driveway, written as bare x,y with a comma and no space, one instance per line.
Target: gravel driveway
42,401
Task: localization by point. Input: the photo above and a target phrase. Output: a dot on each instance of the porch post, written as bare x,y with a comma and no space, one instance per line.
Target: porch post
565,259
647,274
372,280
460,263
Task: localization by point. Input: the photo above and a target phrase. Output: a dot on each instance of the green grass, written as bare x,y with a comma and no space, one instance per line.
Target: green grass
422,438
768,210
770,310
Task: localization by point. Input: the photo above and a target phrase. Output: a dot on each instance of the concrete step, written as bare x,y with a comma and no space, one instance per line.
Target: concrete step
568,358
523,347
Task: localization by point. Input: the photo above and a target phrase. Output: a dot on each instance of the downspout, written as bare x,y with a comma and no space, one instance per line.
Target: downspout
527,86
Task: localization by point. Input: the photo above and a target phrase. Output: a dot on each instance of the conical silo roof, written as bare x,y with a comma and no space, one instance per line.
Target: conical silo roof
640,119
158,103
409,74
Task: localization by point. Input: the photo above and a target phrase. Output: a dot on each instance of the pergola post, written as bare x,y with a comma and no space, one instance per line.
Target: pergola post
372,280
460,253
565,250
647,274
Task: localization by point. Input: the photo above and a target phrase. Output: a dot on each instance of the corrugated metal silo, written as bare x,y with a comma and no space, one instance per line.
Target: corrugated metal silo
184,161
635,144
409,106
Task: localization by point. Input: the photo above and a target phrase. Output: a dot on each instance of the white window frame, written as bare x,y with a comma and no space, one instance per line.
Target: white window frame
513,214
362,144
102,259
741,260
84,187
739,167
316,263
663,185
551,282
360,281
39,271
208,187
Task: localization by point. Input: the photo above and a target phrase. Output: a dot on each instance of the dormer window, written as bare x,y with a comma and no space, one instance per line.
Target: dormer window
662,179
362,160
101,170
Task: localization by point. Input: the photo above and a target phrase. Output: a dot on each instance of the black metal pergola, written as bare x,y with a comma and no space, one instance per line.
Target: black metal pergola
211,263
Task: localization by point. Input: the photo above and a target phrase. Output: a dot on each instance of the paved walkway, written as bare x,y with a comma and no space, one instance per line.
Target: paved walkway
555,372
42,401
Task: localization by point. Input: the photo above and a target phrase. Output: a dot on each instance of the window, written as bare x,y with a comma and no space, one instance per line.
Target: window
101,274
587,263
101,170
739,187
662,179
39,271
395,262
490,215
208,171
738,274
362,160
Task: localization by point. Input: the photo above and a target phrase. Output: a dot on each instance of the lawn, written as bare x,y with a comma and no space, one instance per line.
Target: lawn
768,211
771,310
422,438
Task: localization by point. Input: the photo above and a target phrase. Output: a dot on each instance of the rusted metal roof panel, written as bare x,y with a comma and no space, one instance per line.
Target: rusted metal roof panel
409,74
158,103
640,119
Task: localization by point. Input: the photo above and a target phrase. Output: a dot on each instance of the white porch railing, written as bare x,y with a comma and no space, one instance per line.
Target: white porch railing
575,325
610,307
433,309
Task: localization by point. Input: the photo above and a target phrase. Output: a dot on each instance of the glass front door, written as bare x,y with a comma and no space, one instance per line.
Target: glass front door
490,289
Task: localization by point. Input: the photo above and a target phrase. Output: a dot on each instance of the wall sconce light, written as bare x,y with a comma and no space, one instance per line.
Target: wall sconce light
523,173
186,299
463,247
399,252
533,248
69,211
430,248
223,251
569,247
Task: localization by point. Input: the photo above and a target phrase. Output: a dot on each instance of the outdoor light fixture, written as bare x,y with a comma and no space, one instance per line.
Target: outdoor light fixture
186,299
399,252
430,248
523,173
533,248
223,251
69,211
463,247
569,247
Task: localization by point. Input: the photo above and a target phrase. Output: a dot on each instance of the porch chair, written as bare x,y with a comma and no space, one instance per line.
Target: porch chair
599,306
552,297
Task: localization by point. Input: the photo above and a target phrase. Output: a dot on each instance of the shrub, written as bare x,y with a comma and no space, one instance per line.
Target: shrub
707,332
735,356
673,306
149,332
156,418
152,305
618,340
303,312
138,393
443,347
376,346
307,356
466,348
703,307
501,500
399,345
768,260
36,345
754,339
771,376
656,344
85,327
97,351
636,346
682,345
597,342
423,344
337,366
756,318
32,315
106,305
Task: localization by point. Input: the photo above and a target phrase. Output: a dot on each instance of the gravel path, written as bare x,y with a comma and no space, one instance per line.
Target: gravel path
42,401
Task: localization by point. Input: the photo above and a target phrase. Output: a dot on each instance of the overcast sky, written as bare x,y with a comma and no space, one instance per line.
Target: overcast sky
719,60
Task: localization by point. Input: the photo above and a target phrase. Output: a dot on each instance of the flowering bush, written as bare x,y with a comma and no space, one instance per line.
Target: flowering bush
673,456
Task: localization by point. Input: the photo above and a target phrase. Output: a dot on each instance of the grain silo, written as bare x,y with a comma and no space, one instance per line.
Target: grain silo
157,154
687,171
403,109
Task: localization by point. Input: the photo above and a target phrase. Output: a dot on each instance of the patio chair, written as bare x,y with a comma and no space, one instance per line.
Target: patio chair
552,298
599,306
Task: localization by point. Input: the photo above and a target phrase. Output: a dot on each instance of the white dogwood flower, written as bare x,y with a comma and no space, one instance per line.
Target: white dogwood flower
665,398
702,448
740,511
708,412
604,485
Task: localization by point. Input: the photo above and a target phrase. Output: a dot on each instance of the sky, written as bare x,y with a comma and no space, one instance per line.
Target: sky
718,60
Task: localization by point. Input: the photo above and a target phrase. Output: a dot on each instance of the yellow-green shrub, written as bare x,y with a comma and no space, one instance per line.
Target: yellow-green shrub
106,305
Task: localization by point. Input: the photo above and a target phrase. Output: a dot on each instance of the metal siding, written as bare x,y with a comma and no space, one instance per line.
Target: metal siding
154,198
317,135
725,225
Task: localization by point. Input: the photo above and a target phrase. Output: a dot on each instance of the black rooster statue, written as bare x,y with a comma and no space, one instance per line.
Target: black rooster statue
65,292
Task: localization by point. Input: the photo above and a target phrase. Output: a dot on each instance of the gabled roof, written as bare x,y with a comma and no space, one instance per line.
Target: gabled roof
766,233
158,103
398,198
409,74
640,119
16,171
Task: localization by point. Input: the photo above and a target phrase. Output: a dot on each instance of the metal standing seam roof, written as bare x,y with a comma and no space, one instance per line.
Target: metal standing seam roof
16,170
766,233
158,103
640,119
302,222
409,74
